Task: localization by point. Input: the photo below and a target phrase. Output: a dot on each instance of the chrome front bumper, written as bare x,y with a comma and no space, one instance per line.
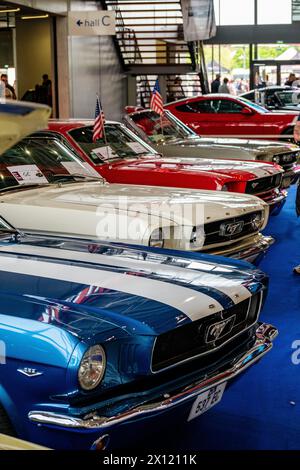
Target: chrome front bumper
265,335
248,249
290,176
277,203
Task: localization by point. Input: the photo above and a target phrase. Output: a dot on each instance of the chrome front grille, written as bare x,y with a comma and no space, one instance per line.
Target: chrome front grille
215,232
261,185
205,335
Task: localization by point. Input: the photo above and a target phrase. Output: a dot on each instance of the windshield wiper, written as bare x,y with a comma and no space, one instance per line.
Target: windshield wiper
59,178
23,186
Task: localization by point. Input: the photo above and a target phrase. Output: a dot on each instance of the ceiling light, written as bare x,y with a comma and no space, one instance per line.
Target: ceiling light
14,10
34,17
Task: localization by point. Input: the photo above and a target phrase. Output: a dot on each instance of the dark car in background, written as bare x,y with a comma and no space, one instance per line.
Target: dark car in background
279,98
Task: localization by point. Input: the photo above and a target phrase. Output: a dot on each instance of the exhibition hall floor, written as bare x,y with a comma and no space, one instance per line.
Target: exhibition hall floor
262,409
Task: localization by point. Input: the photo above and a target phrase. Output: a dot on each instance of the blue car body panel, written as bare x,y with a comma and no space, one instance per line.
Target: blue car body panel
59,297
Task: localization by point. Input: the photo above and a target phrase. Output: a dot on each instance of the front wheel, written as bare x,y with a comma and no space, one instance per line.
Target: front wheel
5,424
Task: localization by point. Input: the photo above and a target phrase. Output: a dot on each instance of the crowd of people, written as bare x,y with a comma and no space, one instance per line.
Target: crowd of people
232,87
238,86
42,93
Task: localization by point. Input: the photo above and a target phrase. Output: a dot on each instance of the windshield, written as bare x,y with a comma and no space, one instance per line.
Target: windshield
161,129
289,98
118,143
41,161
254,106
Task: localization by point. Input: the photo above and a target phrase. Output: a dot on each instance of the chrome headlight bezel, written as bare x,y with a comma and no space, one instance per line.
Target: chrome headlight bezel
197,239
276,159
156,239
257,221
91,364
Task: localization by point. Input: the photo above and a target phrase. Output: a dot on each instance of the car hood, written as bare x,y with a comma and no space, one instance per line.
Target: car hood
209,167
17,120
116,290
263,146
85,201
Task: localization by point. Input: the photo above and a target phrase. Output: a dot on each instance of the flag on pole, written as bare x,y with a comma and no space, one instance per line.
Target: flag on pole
98,132
156,103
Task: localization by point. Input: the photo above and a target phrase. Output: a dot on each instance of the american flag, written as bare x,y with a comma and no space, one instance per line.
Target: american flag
99,122
156,103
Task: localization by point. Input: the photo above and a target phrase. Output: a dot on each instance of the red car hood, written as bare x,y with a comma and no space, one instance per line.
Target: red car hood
223,170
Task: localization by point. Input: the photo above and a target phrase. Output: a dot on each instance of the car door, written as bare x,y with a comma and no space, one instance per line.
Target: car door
218,117
233,118
197,114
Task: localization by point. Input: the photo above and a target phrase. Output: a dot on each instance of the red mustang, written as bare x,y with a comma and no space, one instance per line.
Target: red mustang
225,115
125,158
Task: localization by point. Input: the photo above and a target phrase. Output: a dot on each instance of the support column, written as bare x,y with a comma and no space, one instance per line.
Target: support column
131,90
63,70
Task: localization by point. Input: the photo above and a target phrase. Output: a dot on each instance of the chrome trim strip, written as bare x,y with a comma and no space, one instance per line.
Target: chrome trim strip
265,334
260,245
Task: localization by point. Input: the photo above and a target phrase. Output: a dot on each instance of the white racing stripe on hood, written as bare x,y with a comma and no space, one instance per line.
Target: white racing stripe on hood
193,304
231,287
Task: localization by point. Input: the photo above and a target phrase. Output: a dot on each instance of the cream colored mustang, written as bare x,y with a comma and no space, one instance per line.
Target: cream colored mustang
81,205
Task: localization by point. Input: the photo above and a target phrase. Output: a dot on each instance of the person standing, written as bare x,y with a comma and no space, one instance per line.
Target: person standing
224,88
215,84
9,89
44,91
291,79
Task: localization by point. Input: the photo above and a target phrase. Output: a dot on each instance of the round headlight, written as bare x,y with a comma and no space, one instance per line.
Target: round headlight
157,238
276,159
92,367
197,238
257,221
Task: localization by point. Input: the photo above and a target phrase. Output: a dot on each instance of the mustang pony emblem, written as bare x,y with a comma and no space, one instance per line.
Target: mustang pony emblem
231,229
217,330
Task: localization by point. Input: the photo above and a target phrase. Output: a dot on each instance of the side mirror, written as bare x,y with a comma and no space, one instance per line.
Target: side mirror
247,111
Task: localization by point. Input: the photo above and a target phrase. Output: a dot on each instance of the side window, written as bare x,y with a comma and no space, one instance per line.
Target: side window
229,107
203,106
249,96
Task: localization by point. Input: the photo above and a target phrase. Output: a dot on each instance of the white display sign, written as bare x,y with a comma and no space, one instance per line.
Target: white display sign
27,174
82,168
137,147
105,153
92,23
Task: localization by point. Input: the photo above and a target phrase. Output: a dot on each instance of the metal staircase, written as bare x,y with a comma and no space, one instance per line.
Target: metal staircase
158,31
150,42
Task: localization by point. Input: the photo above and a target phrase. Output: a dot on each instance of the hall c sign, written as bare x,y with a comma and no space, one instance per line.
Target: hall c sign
92,23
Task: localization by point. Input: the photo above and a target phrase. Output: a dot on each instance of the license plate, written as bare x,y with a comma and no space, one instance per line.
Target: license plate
206,400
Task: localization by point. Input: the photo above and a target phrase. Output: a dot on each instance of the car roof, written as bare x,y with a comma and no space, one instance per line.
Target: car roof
68,124
209,95
272,87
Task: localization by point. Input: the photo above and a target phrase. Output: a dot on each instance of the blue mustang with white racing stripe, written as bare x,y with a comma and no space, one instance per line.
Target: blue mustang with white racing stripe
99,338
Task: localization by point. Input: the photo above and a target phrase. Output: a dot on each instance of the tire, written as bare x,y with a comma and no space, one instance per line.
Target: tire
5,424
288,131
